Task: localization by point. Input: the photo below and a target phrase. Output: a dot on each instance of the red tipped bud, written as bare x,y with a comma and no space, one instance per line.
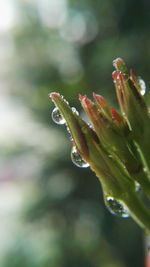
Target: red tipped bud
54,95
85,101
117,75
81,97
102,105
100,99
116,116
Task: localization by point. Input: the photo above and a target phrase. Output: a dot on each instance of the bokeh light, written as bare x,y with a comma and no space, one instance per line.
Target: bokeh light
52,214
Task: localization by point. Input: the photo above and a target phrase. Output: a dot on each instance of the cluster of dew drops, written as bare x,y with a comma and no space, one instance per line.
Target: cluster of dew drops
114,206
75,156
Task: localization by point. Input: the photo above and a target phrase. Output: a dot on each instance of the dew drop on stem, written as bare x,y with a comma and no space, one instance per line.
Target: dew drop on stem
116,207
142,86
57,117
77,159
137,187
75,111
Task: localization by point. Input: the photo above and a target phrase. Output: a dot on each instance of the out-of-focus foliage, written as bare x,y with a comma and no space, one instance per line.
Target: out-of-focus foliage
52,213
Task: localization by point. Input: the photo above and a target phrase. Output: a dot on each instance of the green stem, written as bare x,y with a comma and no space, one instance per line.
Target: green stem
138,211
144,181
143,145
143,176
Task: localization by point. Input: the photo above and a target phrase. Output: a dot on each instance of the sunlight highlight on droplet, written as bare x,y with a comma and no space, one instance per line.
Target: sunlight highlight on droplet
77,159
57,117
116,207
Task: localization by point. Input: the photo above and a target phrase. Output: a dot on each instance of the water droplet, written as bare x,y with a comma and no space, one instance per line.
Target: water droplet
137,187
65,101
75,111
77,159
57,117
145,169
116,207
142,86
90,126
68,130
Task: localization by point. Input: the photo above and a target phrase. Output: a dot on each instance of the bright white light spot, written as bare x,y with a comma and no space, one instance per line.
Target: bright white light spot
74,29
66,57
52,12
11,198
6,15
79,27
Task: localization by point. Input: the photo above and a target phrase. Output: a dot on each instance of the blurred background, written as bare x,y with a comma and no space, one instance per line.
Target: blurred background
52,213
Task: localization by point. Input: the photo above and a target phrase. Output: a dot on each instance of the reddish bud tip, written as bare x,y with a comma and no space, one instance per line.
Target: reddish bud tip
54,95
81,97
116,115
100,99
88,102
85,101
115,74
